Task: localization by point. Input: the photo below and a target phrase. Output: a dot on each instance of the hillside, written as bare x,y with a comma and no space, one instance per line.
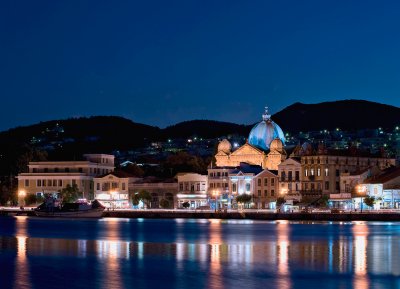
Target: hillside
345,114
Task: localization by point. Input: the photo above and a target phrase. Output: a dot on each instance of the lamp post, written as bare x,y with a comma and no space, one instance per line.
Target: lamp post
215,194
21,197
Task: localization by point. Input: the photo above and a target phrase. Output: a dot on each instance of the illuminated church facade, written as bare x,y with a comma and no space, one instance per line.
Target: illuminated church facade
264,147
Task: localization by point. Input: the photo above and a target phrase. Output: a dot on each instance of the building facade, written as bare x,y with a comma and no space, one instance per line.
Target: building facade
192,189
112,190
52,176
289,179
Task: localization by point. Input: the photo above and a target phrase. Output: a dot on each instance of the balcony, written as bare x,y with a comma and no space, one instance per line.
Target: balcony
340,196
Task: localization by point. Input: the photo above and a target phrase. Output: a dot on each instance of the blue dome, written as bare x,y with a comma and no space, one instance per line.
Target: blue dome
265,132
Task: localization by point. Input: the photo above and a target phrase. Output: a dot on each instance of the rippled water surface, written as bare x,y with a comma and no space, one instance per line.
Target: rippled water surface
138,253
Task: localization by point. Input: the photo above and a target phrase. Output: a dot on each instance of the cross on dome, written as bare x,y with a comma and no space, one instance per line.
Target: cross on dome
266,115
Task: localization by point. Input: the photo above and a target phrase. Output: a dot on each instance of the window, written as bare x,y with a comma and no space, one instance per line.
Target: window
265,193
272,182
54,183
306,172
259,182
265,181
326,172
181,186
297,176
283,176
123,187
312,186
60,183
290,176
198,187
326,185
312,171
80,170
186,186
259,193
234,188
192,187
318,171
46,170
272,193
114,185
337,186
66,170
98,186
49,183
226,185
73,182
38,183
26,183
247,187
34,170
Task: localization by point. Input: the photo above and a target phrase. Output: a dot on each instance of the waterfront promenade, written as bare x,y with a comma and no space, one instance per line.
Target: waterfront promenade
393,215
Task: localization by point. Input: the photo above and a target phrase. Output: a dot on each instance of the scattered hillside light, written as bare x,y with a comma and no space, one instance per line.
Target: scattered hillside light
189,140
397,128
235,144
337,129
169,140
195,138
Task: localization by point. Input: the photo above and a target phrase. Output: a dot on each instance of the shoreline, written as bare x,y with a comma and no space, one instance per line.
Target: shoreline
243,215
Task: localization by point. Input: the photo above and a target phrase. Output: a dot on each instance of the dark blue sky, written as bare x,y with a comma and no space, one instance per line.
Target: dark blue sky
161,62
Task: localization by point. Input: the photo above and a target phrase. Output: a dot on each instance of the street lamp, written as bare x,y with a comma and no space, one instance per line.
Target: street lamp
21,197
215,193
361,190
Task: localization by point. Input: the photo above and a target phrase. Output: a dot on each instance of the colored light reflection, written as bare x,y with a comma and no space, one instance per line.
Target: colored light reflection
22,275
360,234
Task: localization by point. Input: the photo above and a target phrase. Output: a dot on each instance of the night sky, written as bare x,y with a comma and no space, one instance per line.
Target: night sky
161,62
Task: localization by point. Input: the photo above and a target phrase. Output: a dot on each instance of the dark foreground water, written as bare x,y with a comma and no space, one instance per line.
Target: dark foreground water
137,253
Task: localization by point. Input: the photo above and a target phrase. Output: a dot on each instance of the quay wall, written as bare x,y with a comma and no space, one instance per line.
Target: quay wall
344,217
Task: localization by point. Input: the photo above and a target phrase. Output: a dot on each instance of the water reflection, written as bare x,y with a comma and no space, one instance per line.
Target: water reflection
228,255
22,276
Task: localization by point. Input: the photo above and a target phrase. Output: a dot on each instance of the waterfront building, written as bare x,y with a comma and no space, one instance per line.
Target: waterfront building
52,176
112,189
384,187
321,170
264,147
159,189
218,186
266,189
289,179
192,189
348,187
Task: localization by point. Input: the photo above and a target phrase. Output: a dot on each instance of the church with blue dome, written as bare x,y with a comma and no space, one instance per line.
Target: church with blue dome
265,132
264,147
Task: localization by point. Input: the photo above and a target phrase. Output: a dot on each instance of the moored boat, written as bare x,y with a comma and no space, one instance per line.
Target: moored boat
71,210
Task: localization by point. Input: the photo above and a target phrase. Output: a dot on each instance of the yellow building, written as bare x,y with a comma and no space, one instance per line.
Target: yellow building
52,176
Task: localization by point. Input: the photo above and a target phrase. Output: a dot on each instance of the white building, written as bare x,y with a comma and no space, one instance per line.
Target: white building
192,188
112,190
